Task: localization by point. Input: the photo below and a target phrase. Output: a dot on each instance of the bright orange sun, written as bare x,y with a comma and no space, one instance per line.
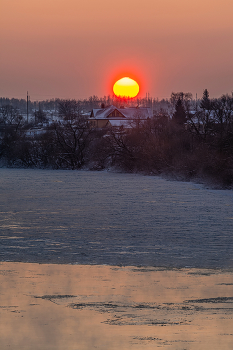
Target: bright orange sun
126,88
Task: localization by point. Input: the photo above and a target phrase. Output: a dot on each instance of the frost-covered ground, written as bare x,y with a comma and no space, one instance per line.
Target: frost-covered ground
88,217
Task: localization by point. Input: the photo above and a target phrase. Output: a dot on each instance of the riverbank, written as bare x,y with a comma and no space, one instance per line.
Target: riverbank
49,306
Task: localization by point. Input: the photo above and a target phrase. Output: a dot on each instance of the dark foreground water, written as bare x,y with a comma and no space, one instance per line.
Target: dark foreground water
109,218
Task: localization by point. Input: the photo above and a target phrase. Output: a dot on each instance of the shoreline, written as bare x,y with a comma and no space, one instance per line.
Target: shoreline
207,182
59,306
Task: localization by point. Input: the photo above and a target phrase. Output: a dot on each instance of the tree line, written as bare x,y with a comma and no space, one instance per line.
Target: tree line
195,142
86,105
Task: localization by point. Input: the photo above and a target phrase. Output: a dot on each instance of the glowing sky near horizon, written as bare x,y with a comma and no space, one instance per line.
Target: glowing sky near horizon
75,49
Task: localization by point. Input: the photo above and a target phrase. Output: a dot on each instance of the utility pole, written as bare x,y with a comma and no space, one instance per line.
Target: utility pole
27,107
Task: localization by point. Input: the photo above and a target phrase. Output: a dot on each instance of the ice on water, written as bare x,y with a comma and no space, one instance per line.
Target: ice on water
84,217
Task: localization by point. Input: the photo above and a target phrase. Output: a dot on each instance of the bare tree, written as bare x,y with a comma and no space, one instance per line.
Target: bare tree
10,116
72,135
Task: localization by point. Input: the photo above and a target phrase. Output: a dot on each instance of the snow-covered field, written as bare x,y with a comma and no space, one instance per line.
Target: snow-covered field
84,217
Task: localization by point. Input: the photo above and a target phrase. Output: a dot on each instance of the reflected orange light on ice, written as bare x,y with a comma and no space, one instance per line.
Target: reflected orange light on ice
126,88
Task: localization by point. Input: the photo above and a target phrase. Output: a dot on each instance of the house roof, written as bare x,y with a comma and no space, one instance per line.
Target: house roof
126,112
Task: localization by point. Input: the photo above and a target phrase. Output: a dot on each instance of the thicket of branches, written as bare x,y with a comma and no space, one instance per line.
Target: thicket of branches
192,144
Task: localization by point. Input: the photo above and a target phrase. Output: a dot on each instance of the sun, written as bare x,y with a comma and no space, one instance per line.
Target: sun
126,88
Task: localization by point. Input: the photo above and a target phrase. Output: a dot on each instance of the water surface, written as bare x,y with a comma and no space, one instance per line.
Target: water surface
83,307
84,217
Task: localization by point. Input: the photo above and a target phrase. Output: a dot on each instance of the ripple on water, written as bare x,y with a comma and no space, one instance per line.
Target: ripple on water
109,218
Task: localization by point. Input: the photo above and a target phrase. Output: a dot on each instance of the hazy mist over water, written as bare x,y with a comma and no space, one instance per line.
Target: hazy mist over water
83,217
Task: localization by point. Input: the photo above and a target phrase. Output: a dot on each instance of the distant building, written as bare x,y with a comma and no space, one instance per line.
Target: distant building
113,116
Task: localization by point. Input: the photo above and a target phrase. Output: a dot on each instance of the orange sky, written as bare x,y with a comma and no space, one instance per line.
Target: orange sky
77,48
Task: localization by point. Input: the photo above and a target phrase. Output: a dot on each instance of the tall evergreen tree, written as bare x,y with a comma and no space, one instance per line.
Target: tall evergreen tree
180,115
205,101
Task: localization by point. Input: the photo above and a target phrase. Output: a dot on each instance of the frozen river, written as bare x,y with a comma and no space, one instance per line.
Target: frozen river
83,217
